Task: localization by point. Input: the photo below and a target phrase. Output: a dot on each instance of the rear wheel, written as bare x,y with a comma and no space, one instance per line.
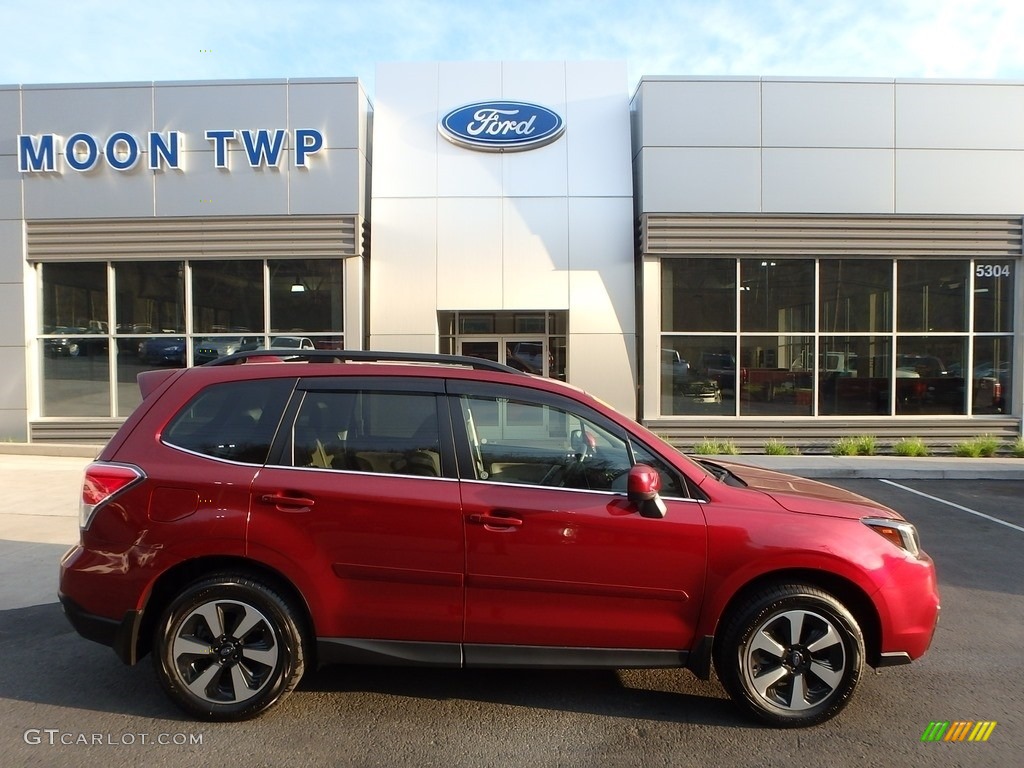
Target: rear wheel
228,648
791,655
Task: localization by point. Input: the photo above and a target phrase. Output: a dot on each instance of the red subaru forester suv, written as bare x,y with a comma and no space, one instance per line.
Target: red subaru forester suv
250,521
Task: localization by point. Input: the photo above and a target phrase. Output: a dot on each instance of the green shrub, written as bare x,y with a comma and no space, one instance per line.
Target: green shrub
976,447
844,446
862,445
1017,448
708,447
910,446
776,447
968,449
988,444
865,445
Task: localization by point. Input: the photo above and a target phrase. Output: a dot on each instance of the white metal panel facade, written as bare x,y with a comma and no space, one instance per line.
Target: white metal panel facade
805,180
545,229
829,114
804,146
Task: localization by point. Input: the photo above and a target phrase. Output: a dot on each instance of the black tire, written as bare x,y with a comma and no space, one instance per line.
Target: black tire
791,655
228,648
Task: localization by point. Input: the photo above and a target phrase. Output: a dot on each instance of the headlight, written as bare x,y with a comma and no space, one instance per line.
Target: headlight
897,532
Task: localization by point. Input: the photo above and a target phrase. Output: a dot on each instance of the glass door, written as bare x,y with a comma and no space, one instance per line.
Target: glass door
524,353
529,354
485,350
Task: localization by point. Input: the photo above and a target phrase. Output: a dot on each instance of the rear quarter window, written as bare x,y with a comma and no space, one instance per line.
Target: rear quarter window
234,420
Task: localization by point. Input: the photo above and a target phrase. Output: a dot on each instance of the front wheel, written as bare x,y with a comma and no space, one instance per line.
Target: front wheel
228,648
792,655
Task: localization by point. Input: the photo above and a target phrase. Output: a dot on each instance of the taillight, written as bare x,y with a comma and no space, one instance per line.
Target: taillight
103,482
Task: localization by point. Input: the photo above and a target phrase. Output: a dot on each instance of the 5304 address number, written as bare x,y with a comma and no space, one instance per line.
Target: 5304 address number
991,270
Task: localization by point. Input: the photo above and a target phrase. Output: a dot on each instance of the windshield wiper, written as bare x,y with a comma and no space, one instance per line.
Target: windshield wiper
721,474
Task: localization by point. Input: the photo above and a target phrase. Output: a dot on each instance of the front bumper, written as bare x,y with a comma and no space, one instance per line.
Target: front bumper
909,607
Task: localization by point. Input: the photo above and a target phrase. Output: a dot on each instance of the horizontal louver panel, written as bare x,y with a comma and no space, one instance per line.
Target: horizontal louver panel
219,238
672,234
95,431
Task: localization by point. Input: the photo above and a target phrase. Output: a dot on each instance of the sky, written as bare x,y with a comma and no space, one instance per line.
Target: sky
82,41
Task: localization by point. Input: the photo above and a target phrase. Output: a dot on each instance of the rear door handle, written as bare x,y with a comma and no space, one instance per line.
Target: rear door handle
285,503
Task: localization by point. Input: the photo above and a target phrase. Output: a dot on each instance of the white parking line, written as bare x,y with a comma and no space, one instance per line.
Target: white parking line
957,506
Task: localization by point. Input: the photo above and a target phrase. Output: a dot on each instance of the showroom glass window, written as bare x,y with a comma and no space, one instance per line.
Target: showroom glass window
855,317
843,336
227,297
306,298
931,345
75,345
149,307
992,363
160,314
777,303
698,346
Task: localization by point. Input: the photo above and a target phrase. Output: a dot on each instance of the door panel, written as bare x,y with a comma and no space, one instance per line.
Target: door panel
579,569
386,551
555,554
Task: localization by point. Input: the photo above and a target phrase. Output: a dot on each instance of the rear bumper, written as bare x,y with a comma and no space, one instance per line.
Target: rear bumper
100,600
121,635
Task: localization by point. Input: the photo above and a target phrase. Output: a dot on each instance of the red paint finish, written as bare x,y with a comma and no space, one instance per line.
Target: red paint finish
582,569
453,559
376,556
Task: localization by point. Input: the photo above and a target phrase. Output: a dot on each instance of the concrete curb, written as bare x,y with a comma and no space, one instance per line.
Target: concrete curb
886,467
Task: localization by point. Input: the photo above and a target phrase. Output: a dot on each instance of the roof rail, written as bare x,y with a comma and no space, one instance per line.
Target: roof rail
363,356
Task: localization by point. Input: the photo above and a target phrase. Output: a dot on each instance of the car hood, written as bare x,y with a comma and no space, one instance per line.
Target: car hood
798,494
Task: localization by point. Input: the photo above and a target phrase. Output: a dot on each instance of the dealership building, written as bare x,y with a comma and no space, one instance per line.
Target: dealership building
744,258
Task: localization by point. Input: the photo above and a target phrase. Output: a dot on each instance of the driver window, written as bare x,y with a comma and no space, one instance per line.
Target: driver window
537,444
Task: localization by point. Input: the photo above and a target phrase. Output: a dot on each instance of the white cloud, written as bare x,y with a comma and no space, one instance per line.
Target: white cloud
115,41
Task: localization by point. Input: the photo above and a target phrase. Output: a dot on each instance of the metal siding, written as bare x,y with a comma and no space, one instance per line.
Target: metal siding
192,238
680,234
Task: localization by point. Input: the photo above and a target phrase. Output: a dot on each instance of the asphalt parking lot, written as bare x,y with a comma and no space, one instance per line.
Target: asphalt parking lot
70,702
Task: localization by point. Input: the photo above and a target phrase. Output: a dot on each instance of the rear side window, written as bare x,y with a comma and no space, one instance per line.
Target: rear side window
392,433
235,420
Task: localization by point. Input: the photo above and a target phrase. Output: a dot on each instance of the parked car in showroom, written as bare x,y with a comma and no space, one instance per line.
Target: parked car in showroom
221,346
291,342
249,523
163,350
67,341
675,371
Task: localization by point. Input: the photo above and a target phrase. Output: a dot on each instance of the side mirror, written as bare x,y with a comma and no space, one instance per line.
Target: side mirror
582,442
643,484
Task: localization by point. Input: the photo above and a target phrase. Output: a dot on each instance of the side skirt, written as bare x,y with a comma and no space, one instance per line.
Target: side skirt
335,650
572,658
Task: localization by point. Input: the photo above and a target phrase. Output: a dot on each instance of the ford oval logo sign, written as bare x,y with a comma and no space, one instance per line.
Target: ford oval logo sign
501,126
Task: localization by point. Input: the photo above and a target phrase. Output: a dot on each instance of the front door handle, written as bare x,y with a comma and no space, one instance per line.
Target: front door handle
496,520
285,503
